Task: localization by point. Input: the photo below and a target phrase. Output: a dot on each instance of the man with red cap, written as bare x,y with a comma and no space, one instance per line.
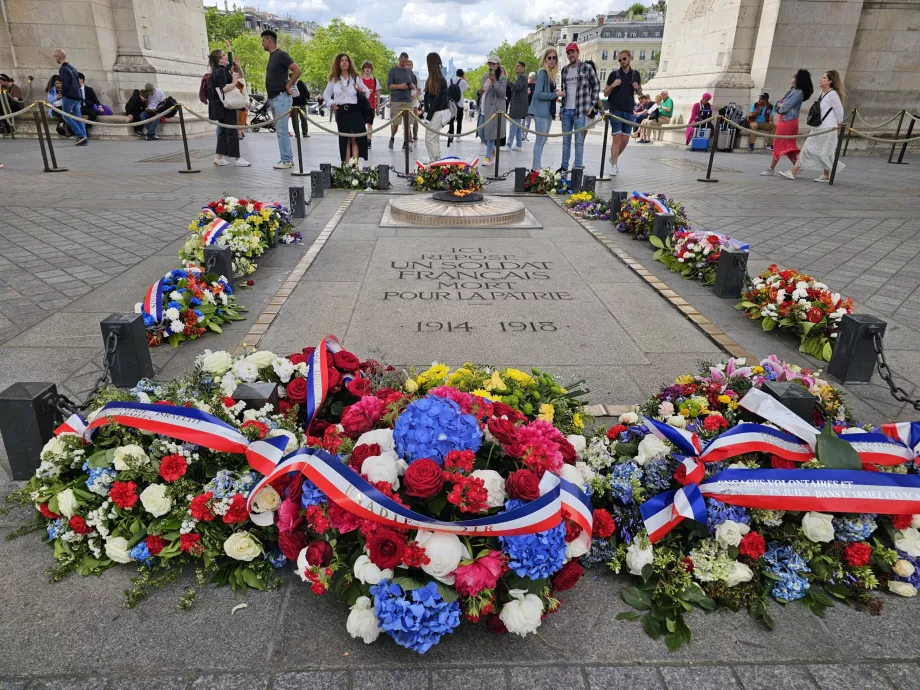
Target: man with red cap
579,88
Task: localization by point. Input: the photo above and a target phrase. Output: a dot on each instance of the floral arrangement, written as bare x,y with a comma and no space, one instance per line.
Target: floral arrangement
693,254
789,300
432,178
587,206
266,217
246,242
546,181
637,213
352,176
193,302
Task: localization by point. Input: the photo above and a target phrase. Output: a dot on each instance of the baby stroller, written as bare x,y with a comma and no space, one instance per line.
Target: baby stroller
263,114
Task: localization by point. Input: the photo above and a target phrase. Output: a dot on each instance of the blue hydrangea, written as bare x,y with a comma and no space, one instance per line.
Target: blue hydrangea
784,559
718,512
417,619
141,553
56,528
858,528
312,494
619,481
656,475
600,554
432,427
790,588
227,288
222,485
636,432
535,555
275,557
100,479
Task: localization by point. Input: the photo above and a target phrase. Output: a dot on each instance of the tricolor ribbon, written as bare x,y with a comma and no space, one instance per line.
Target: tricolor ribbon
153,301
642,196
831,491
209,211
318,376
214,230
448,160
907,433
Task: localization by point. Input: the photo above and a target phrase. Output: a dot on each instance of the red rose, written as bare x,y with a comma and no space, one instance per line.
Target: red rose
297,391
237,511
346,361
385,393
362,416
122,494
423,478
495,625
284,407
899,521
386,548
46,511
615,431
523,485
191,543
319,553
781,463
78,525
814,315
500,409
319,426
603,524
566,577
569,456
362,453
172,467
200,509
503,430
292,543
335,379
307,351
359,387
155,544
857,554
297,358
752,545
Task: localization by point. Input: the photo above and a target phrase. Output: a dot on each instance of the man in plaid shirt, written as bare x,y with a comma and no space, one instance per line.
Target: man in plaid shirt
579,89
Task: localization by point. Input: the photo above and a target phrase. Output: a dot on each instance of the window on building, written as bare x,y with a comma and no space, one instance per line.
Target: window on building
619,34
645,34
641,54
603,75
654,54
634,35
603,55
657,34
574,37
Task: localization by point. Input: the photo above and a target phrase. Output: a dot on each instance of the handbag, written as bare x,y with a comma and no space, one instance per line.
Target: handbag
814,114
364,105
232,100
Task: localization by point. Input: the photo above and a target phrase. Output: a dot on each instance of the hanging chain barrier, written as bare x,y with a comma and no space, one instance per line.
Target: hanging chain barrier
65,406
884,371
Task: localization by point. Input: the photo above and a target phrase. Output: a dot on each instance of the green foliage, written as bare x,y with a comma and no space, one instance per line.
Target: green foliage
637,9
508,55
248,50
223,27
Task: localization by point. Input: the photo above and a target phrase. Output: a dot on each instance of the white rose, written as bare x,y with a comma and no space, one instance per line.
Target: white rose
302,564
638,557
578,547
572,474
131,450
666,409
651,448
382,437
739,573
903,589
242,547
283,368
729,533
155,500
382,468
362,621
903,568
819,526
907,540
55,447
261,359
445,551
267,500
216,362
523,614
116,549
495,485
67,503
292,442
915,522
629,418
579,443
246,371
368,573
228,384
678,421
176,326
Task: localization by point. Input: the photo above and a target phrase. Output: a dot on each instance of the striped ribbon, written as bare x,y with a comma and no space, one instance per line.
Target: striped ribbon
642,196
448,160
153,301
907,433
214,230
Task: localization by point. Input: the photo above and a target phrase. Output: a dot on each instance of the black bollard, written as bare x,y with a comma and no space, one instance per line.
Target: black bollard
837,154
730,273
188,160
853,359
27,421
793,396
663,226
316,184
130,361
298,203
910,130
257,395
600,175
588,183
520,176
296,120
577,178
326,169
617,199
713,139
219,260
852,123
383,176
498,150
44,118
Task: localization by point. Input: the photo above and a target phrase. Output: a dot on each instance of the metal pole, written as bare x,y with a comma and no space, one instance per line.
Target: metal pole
406,137
910,130
54,166
188,160
897,134
852,123
41,141
713,138
600,175
837,155
498,148
296,120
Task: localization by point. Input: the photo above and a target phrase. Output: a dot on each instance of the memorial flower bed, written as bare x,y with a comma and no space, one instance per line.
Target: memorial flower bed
587,206
637,213
693,254
546,181
351,176
264,216
448,174
793,301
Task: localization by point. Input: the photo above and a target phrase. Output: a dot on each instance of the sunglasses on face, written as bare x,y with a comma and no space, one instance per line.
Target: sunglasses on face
552,57
624,59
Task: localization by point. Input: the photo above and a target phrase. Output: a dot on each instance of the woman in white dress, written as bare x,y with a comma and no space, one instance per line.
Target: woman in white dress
819,151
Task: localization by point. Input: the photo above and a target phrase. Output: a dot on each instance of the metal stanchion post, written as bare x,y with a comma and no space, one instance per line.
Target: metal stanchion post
406,137
498,148
600,175
296,112
852,124
188,160
713,138
837,154
910,130
897,133
54,166
41,141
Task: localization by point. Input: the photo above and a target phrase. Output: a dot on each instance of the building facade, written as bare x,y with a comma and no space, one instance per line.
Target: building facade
258,21
641,36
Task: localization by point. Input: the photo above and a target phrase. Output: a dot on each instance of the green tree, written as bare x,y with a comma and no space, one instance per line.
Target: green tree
247,48
222,26
508,55
636,9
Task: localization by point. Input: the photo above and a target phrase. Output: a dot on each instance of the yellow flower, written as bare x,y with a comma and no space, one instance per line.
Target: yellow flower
578,421
458,376
495,383
724,399
419,179
546,412
684,380
684,412
411,386
517,376
435,372
757,370
486,394
732,405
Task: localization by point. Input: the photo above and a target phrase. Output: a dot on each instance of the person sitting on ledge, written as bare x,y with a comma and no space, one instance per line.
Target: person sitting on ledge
759,120
89,101
135,108
154,97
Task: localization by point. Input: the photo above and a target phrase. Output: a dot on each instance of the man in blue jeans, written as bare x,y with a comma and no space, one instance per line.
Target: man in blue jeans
623,85
279,87
579,87
71,98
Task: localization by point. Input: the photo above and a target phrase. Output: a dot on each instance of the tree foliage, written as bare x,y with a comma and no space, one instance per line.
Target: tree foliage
637,9
222,26
508,55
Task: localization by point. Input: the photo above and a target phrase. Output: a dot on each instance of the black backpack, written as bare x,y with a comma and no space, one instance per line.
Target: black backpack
453,92
814,114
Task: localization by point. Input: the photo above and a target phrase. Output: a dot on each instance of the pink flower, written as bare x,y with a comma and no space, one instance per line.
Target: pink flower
538,445
481,574
362,416
287,517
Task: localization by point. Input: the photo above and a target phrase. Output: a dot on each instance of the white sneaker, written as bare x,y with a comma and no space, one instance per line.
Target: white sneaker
221,161
509,147
519,148
614,171
242,163
822,179
767,173
280,165
787,174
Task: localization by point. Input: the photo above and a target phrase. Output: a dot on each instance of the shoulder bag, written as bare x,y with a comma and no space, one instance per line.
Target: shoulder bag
233,99
814,114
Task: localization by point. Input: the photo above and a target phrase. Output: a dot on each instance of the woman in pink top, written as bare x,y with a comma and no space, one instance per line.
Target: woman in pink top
373,87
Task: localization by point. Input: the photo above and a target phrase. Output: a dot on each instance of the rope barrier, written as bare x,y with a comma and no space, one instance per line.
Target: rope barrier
760,133
350,135
218,123
26,109
455,136
112,124
885,123
884,141
697,123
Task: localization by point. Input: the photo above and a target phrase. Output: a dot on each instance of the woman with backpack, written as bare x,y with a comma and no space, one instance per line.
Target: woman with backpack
825,115
344,93
788,108
437,106
224,102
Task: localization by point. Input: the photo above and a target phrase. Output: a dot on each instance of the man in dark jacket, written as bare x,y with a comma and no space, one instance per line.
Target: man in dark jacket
518,108
135,108
88,102
71,97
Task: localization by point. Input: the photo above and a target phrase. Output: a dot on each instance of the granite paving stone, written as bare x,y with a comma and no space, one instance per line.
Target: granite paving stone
406,679
231,681
699,678
175,682
760,677
546,678
850,677
311,680
623,678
